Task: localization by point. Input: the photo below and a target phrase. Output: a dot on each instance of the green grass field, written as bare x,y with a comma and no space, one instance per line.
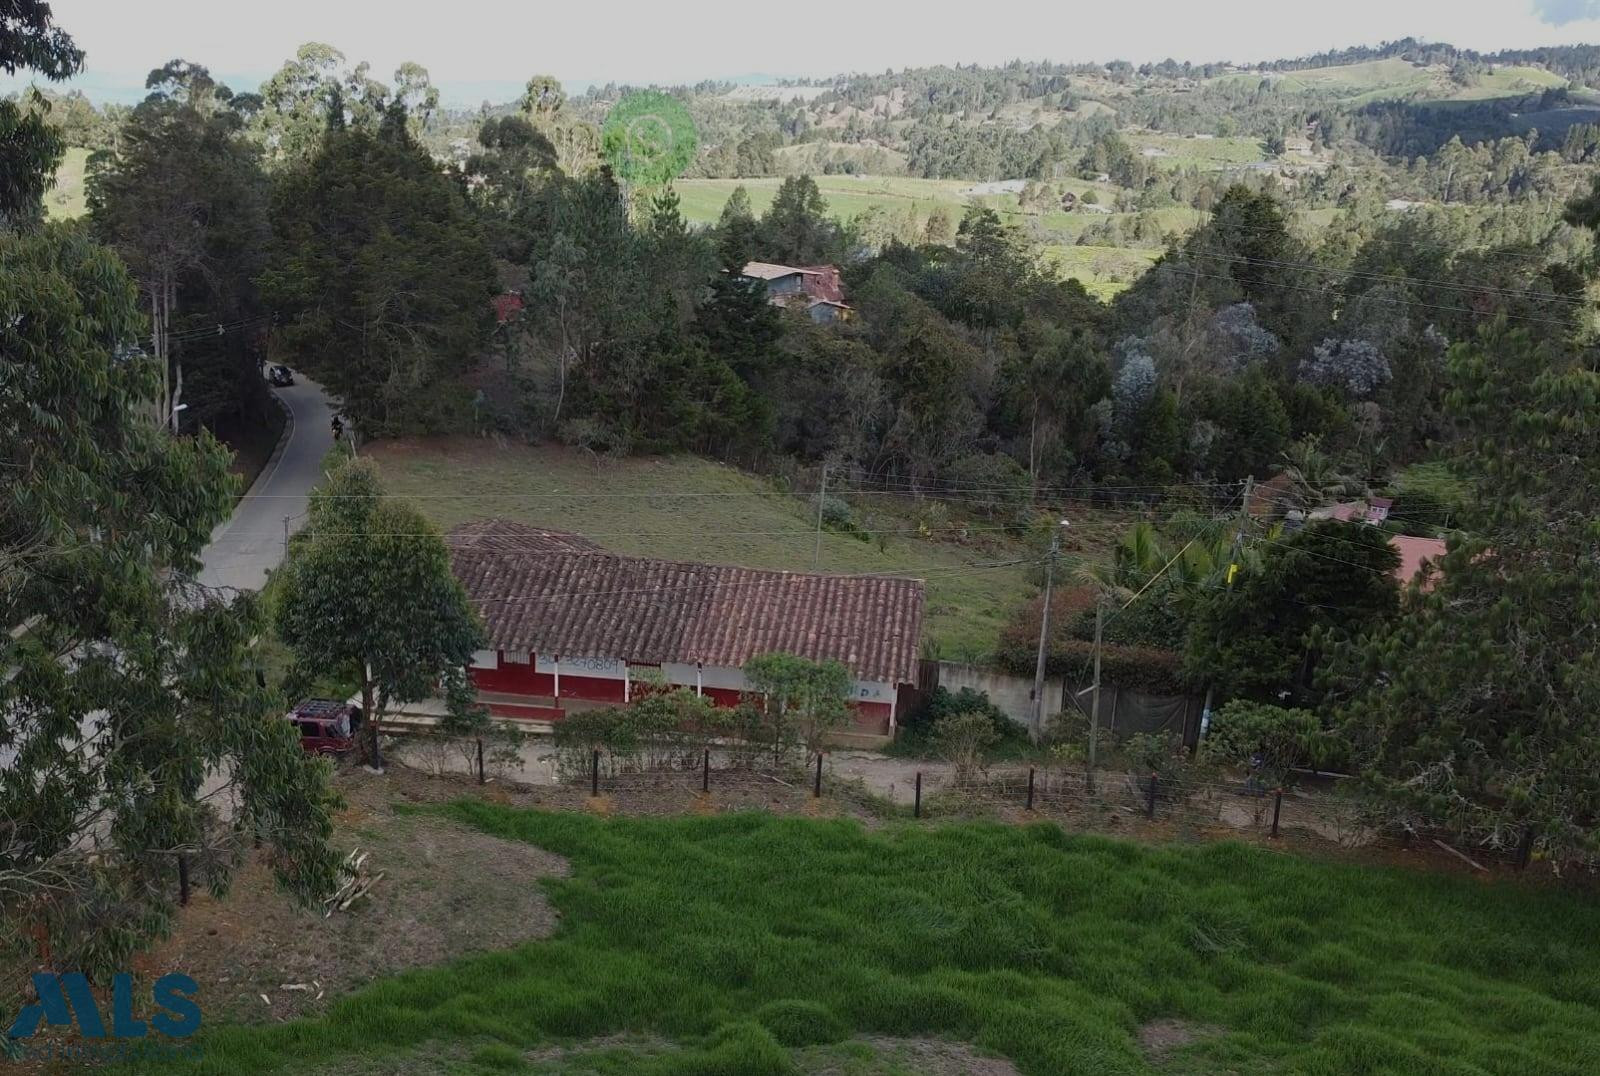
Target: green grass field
64,201
701,201
687,508
1509,81
1435,477
847,196
1392,76
1205,153
1380,80
1104,271
751,944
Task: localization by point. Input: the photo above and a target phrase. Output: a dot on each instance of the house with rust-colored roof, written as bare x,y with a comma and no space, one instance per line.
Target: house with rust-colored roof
816,289
572,626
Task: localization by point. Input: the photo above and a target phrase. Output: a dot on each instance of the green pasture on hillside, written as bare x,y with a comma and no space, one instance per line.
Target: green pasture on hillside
749,944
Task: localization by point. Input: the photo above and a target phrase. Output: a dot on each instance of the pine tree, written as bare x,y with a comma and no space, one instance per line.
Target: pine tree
1476,709
380,276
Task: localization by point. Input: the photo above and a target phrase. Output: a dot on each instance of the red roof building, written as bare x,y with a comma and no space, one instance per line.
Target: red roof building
815,288
1415,555
507,305
572,626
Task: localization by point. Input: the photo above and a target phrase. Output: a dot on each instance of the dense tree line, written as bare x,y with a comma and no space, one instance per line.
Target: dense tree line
132,698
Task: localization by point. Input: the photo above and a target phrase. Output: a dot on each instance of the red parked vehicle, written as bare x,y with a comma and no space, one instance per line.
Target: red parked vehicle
327,726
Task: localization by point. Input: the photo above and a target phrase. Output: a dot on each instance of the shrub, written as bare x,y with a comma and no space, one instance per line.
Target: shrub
961,740
943,702
993,483
1268,740
1160,753
662,729
836,514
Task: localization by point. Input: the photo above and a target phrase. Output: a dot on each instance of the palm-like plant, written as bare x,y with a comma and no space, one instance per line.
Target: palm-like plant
1314,477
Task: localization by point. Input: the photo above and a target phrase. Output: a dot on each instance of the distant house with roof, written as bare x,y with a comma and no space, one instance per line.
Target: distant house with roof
1374,510
572,626
507,306
816,289
1415,555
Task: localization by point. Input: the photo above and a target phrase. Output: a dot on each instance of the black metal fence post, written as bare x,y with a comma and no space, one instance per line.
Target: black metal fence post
1277,809
1150,801
916,804
480,760
816,790
1030,788
1525,850
183,879
705,772
594,775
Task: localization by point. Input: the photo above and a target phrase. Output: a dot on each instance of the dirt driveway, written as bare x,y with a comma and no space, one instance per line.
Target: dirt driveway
447,890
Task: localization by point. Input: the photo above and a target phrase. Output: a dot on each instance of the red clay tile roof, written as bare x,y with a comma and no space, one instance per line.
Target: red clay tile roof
556,594
507,536
822,282
1415,554
507,305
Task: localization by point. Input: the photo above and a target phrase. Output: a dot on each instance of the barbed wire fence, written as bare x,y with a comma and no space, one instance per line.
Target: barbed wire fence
696,775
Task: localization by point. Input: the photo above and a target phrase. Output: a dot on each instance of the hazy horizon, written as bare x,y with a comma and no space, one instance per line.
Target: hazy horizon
696,40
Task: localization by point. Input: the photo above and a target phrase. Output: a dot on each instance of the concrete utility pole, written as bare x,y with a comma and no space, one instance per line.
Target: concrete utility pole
822,495
1233,558
1036,726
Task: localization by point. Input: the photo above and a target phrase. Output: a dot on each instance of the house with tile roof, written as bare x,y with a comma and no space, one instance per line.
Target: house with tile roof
816,289
572,626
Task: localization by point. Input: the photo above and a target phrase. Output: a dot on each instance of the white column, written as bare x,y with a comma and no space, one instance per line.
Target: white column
699,671
627,693
558,680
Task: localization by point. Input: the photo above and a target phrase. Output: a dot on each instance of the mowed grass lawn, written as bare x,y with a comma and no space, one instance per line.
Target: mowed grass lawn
751,944
686,508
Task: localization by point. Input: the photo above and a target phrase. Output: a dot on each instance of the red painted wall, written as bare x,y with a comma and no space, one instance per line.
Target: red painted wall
511,679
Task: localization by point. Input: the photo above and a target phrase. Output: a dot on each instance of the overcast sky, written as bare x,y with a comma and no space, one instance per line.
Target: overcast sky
473,46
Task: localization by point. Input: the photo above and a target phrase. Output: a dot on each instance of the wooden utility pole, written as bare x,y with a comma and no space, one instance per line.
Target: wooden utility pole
822,496
1233,559
1036,726
1094,699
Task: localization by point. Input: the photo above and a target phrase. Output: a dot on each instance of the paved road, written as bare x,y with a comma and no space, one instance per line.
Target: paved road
244,547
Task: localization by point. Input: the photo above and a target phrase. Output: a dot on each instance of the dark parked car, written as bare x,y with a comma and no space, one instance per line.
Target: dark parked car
280,375
327,726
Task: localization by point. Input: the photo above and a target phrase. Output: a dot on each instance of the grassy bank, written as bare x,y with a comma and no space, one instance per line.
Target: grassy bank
685,508
746,943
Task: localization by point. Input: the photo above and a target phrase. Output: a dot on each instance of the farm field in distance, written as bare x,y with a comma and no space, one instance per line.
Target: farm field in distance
686,508
64,200
753,944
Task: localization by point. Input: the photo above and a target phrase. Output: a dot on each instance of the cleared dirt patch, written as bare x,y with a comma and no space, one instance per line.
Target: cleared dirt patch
869,1055
1159,1038
872,1055
447,890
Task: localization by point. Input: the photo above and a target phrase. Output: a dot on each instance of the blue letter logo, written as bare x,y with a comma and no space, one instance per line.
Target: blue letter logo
63,997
